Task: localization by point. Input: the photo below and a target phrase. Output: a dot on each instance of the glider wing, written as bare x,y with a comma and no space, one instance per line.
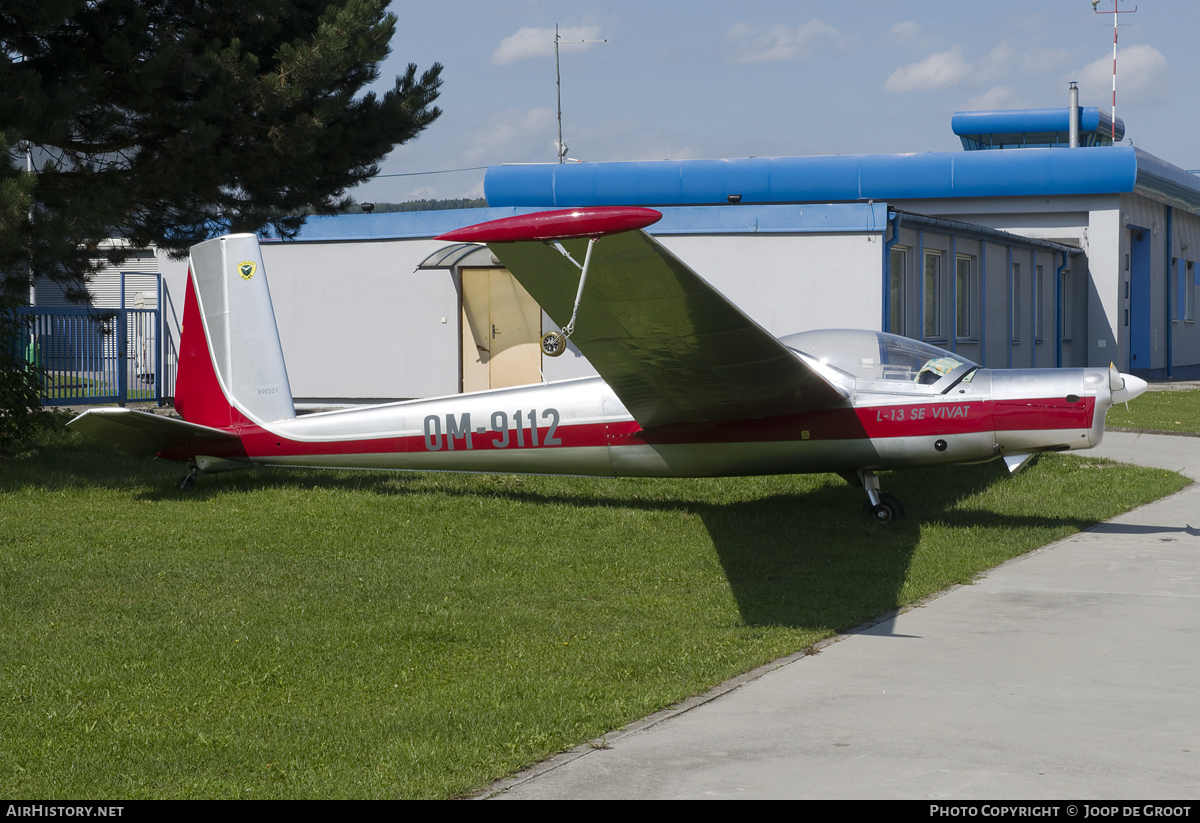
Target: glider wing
671,346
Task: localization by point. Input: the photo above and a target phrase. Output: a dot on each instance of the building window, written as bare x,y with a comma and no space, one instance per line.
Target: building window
964,297
1189,283
1015,303
1039,302
932,327
1068,307
1175,311
896,278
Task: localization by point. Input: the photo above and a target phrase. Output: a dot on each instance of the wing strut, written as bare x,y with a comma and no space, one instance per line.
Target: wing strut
555,343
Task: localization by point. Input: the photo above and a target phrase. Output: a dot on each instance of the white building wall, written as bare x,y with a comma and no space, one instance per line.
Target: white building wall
1138,213
792,282
1106,288
994,309
1185,249
1099,225
357,323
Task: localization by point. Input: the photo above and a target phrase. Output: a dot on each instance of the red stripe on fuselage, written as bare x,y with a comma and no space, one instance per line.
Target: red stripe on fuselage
926,419
874,422
823,424
1044,413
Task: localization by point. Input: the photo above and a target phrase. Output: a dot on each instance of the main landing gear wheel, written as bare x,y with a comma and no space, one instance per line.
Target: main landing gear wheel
881,507
888,510
553,344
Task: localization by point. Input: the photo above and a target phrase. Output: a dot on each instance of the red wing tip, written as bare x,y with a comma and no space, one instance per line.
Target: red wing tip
557,225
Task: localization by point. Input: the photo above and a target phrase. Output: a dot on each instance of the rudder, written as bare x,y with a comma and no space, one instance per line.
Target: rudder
231,366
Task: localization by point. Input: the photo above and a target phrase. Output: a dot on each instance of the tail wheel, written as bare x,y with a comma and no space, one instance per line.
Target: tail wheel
553,344
189,482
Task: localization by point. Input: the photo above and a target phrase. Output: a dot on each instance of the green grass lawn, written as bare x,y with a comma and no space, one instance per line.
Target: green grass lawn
1168,411
354,634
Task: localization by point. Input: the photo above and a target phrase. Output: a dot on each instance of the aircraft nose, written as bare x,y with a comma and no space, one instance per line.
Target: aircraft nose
1131,387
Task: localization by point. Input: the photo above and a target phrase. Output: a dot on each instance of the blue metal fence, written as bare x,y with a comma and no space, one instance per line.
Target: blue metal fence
94,356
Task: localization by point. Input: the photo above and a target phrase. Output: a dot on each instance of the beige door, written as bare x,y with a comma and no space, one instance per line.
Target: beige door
502,327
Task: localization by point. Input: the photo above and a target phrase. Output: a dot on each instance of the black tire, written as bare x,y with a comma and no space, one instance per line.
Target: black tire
893,503
889,510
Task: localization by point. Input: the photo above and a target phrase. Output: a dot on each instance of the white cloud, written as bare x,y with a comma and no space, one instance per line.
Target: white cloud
949,68
904,32
756,44
627,139
1039,61
529,136
475,192
1143,74
529,42
996,63
997,97
515,137
937,71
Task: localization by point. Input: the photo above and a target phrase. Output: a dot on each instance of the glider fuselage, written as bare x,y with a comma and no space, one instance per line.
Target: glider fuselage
580,427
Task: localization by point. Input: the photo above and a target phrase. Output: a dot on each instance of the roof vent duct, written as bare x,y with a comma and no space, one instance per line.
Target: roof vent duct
1073,107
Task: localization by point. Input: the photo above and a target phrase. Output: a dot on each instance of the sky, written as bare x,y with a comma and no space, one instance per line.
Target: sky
759,78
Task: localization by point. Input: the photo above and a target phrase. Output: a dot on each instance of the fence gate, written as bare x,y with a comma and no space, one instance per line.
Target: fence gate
93,356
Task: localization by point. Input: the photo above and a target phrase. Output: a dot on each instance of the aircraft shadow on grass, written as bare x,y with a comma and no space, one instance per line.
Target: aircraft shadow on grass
789,559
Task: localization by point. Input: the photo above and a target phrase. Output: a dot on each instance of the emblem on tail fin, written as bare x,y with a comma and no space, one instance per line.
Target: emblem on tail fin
246,269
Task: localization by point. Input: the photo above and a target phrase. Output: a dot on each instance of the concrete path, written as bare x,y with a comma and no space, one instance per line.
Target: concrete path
1070,673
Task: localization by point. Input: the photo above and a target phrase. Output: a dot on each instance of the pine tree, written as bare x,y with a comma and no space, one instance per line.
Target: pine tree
167,122
170,121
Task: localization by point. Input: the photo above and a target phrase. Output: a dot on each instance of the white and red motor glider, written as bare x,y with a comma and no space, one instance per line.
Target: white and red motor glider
689,385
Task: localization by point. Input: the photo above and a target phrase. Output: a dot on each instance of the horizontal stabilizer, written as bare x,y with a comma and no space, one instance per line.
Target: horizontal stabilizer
141,433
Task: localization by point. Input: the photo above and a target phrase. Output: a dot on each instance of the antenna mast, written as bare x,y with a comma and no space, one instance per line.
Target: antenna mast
1116,11
562,149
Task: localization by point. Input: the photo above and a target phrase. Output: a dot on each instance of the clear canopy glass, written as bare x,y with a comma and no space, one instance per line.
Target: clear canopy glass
877,356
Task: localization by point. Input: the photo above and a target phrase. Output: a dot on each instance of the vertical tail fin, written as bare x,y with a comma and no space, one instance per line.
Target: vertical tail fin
231,368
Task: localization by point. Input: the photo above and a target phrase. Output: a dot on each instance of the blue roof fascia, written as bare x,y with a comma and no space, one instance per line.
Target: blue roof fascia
1166,183
1021,121
816,179
1099,170
1106,127
766,219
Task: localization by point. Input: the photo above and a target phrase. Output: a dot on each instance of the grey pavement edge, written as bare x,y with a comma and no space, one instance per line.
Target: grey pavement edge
1068,673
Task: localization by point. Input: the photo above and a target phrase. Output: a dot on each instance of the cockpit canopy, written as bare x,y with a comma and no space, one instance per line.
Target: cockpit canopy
871,357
